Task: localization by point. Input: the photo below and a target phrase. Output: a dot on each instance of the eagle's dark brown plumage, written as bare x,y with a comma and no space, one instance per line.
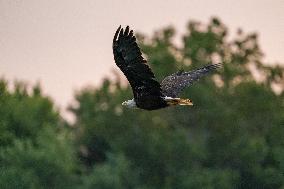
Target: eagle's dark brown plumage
148,93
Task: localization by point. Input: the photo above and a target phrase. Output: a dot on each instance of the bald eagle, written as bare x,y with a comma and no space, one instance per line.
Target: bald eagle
148,93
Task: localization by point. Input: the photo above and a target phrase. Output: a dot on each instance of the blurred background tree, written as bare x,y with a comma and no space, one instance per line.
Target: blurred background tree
35,148
231,138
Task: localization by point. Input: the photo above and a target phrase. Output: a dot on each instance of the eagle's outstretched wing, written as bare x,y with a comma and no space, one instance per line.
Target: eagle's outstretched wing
128,58
173,84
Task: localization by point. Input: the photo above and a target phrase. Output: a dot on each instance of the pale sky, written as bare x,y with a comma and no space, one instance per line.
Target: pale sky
66,44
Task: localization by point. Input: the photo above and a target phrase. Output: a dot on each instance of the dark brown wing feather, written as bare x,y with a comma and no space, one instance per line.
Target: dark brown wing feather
128,57
173,84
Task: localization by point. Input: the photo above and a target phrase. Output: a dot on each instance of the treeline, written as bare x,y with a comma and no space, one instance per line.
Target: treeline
231,138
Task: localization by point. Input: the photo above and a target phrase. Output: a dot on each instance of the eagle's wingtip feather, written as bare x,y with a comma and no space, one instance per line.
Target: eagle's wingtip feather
126,31
116,33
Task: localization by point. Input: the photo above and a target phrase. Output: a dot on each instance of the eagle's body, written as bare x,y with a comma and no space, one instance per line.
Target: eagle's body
148,93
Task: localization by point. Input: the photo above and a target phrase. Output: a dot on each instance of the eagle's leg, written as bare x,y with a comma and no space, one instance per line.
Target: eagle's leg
178,101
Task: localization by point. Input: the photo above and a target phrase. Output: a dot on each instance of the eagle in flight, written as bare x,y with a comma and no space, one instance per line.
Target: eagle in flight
148,93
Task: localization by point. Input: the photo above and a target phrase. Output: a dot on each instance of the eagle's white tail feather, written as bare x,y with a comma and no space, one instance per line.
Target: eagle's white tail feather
178,101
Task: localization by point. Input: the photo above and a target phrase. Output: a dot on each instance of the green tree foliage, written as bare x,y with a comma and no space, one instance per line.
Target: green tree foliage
24,113
231,138
116,173
35,148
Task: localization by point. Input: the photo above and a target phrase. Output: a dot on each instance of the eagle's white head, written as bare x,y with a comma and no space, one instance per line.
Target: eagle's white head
129,103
